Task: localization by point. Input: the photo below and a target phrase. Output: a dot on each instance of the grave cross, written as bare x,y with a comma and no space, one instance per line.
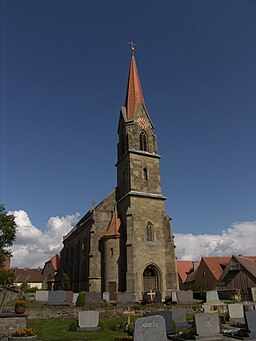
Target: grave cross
151,295
129,313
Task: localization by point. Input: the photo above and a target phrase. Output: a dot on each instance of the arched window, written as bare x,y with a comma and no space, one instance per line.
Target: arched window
143,141
145,174
150,232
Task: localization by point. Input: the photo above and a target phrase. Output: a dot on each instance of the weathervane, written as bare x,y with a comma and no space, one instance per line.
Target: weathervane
132,43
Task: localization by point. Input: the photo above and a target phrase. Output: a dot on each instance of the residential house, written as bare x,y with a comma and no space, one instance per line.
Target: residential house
33,277
50,273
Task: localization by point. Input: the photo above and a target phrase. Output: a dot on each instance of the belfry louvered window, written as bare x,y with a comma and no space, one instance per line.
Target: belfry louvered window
143,141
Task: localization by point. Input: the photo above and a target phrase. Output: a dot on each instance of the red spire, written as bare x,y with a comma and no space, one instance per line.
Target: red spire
134,94
113,228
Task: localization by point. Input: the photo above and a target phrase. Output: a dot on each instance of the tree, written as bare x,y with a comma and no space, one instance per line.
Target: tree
7,234
65,283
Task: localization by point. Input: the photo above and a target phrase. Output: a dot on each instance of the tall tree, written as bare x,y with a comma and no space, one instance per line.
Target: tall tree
7,234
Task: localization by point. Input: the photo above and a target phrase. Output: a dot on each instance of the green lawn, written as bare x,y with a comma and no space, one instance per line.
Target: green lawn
57,330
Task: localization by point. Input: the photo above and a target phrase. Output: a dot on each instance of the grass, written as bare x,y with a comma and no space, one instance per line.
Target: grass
58,330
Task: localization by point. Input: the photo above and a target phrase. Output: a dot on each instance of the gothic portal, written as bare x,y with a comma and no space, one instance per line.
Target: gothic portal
125,243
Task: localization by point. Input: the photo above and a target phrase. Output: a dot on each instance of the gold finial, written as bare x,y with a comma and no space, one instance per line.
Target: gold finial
132,43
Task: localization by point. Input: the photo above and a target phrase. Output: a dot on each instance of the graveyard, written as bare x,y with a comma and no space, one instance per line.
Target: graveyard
55,315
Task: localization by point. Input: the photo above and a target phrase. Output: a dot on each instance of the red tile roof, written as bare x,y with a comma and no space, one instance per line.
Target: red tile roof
248,262
183,267
114,225
216,264
28,275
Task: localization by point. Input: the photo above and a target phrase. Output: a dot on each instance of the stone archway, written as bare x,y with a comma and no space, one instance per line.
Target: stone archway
151,278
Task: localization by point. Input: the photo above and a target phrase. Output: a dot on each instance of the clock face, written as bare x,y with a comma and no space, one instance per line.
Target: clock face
142,122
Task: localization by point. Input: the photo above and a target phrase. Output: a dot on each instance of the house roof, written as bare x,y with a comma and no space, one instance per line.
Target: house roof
28,275
183,268
55,260
113,228
216,264
248,262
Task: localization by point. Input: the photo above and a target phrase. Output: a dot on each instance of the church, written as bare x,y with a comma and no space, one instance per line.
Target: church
125,243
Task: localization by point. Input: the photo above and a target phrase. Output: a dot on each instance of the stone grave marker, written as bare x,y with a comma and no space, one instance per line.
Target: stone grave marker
174,297
253,291
125,298
151,328
158,297
207,326
185,296
105,296
167,315
250,320
145,297
212,297
88,320
75,295
42,296
93,299
236,312
59,297
179,316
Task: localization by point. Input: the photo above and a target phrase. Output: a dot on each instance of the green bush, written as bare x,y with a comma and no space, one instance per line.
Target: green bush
72,326
80,302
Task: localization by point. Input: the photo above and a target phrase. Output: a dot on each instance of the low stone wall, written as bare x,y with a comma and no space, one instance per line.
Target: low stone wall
11,322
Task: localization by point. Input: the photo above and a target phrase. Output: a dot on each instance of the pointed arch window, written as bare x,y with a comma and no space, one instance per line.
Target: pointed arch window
150,232
143,141
145,174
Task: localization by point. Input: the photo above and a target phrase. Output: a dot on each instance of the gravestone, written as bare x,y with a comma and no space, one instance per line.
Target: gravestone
167,315
151,328
179,316
158,297
125,298
207,326
42,296
60,297
105,296
185,296
88,320
75,295
250,320
212,297
93,299
253,292
145,297
236,312
174,297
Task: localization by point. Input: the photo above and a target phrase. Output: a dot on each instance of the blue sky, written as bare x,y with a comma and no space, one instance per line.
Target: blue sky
64,68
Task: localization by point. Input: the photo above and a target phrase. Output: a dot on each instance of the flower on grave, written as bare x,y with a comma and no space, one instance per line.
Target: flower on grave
20,303
24,332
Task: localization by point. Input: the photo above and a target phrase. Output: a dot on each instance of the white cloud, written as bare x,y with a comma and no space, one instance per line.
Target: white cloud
32,247
238,239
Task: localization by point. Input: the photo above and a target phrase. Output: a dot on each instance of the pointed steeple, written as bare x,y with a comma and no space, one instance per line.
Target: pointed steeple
134,94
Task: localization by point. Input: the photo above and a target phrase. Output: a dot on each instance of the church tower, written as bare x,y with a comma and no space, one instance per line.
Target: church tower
148,250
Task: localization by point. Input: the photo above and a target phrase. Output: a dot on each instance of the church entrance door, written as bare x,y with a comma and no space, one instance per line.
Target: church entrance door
150,279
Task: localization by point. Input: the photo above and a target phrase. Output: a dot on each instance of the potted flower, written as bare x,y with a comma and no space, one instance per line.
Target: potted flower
20,306
26,334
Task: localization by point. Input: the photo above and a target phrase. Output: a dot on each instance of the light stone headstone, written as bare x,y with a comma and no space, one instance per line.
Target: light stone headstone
174,297
151,328
88,320
42,296
179,316
236,311
105,296
253,291
75,295
185,296
167,315
207,326
212,297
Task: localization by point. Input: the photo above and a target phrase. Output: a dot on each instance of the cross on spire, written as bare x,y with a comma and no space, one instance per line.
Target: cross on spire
132,43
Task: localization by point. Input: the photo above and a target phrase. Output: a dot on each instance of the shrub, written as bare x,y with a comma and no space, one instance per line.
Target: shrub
72,326
80,302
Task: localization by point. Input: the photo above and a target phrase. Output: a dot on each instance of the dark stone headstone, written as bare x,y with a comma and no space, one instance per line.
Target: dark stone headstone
158,297
151,328
60,297
179,316
93,299
167,315
250,320
185,296
145,297
125,298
